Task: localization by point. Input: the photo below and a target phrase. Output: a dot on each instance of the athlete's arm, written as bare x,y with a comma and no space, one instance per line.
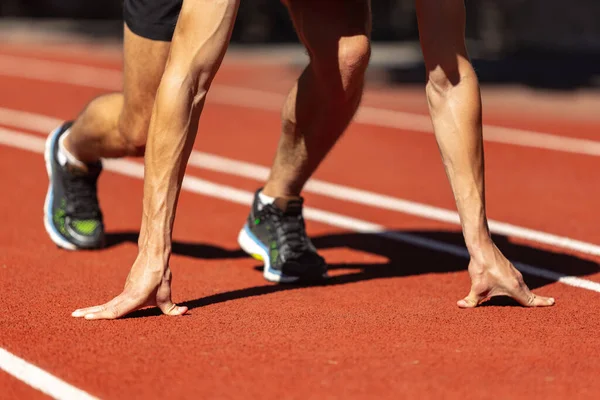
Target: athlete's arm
199,44
455,107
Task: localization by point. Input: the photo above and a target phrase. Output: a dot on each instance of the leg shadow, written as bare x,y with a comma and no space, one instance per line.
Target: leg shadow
433,255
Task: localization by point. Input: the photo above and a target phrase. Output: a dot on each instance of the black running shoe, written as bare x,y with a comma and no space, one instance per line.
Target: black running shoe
275,234
72,216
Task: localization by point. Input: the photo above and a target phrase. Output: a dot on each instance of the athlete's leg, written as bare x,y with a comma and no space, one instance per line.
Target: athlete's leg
116,125
322,102
316,112
112,125
455,106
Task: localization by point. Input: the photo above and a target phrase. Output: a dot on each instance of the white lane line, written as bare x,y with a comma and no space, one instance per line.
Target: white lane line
45,124
58,389
39,379
203,187
52,71
252,98
28,120
371,199
111,79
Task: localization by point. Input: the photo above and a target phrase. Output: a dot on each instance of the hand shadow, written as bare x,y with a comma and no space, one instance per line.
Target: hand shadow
404,259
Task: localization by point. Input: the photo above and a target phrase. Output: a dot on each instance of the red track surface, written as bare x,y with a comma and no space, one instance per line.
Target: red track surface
387,326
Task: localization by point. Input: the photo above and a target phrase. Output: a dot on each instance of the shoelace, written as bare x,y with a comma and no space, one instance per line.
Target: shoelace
82,197
291,233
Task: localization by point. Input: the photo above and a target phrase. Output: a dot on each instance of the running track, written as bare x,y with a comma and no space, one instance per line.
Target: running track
381,211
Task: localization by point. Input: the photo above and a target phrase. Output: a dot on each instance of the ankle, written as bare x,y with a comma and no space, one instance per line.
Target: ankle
67,155
67,146
265,199
275,191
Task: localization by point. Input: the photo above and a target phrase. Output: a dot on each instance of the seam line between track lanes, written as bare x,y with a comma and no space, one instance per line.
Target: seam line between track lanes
231,194
44,124
111,79
39,379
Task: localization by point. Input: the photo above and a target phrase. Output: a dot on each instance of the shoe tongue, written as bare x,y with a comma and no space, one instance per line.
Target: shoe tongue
289,205
83,170
76,170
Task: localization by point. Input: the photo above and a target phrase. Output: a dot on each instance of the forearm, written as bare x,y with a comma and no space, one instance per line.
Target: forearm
456,114
198,48
170,141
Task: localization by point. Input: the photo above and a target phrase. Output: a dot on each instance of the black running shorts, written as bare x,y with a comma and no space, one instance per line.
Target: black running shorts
152,19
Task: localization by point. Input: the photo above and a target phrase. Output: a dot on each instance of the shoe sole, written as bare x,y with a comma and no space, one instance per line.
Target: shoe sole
253,247
55,236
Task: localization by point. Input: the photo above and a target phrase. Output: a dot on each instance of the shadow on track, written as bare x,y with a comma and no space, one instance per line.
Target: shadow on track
403,260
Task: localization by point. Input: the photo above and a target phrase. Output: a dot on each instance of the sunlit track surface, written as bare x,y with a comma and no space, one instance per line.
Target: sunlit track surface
387,325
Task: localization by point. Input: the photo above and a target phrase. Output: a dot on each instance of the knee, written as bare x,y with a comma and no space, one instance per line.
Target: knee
354,55
348,65
133,129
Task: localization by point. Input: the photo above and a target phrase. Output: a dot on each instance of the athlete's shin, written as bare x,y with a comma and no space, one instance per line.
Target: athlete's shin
316,113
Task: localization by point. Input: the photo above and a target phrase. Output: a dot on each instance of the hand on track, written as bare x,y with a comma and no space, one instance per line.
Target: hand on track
146,286
496,276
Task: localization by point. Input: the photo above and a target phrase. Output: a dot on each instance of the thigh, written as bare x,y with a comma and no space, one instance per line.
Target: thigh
326,27
144,64
148,31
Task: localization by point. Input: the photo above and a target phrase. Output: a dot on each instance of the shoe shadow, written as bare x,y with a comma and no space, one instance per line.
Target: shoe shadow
407,259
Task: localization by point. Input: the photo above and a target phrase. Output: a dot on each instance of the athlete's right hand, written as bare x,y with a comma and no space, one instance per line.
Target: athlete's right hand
146,286
494,275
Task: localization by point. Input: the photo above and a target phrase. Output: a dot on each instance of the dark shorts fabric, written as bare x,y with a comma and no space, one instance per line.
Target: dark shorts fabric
152,19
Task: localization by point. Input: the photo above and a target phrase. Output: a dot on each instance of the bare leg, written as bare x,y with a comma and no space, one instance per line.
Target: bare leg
323,101
116,124
113,125
316,112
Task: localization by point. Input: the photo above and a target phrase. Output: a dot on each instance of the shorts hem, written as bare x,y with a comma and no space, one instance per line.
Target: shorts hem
157,32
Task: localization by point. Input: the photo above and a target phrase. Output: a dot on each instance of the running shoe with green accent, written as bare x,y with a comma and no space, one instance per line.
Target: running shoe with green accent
72,215
276,234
